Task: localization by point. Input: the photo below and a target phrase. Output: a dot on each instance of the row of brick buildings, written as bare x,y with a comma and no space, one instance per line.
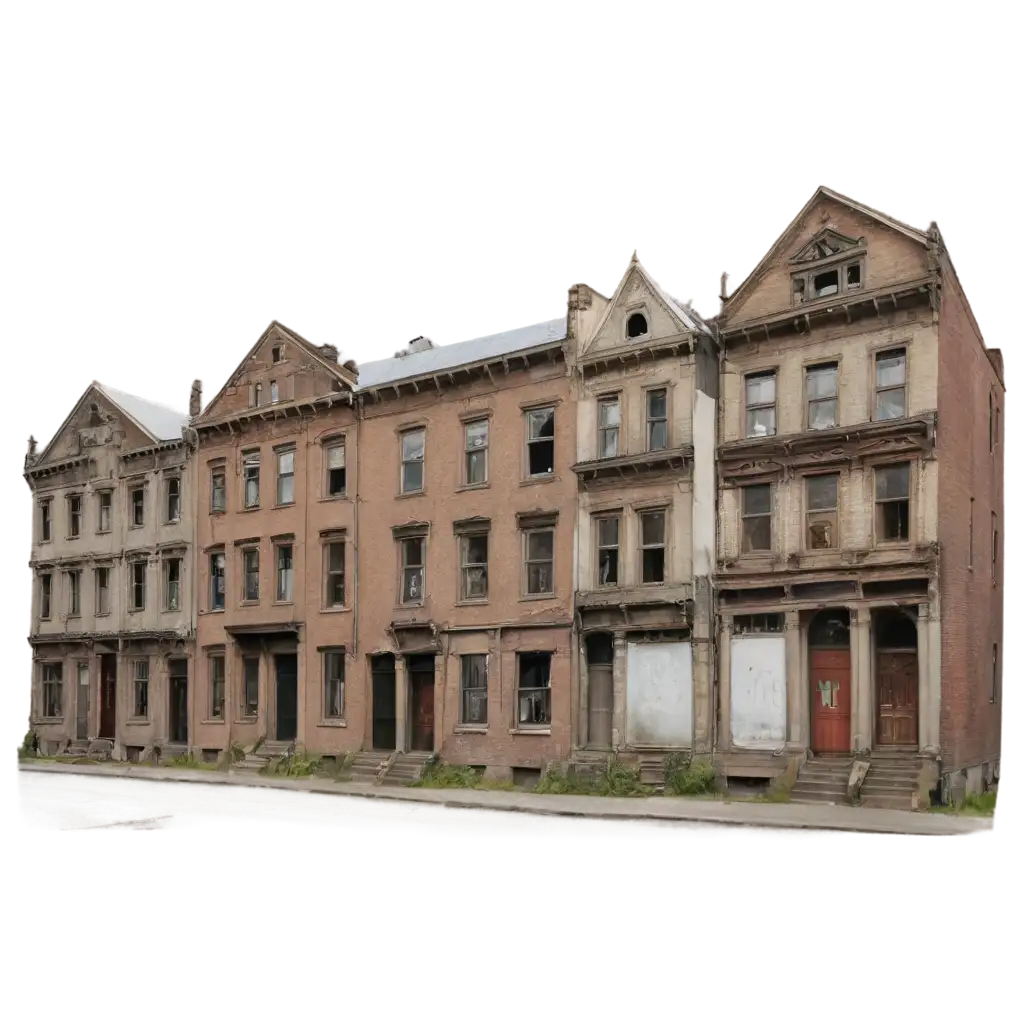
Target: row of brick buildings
627,529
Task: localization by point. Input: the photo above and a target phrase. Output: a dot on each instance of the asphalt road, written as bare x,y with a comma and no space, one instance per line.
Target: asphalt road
83,807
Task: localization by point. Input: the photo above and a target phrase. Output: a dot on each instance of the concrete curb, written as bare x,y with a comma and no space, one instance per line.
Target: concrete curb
415,796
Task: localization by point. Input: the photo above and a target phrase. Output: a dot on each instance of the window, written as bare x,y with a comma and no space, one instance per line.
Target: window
173,499
540,559
608,551
335,574
892,502
44,521
53,686
477,443
103,590
172,584
413,551
608,417
250,687
757,517
251,574
273,391
767,623
216,685
217,580
138,588
413,443
821,396
473,707
251,478
636,325
140,688
534,696
336,469
218,490
822,511
334,684
833,281
826,283
761,404
138,506
799,290
75,515
105,503
75,592
275,354
652,547
285,478
657,420
284,572
473,557
891,384
45,595
540,441
995,673
257,392
852,276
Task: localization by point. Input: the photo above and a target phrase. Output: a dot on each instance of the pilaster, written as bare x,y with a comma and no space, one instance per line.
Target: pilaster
401,704
618,689
797,709
861,679
725,683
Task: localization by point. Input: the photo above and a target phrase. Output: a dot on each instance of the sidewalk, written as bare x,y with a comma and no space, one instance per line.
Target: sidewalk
666,809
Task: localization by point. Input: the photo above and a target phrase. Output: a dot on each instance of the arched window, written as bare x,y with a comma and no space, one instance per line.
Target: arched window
636,325
895,631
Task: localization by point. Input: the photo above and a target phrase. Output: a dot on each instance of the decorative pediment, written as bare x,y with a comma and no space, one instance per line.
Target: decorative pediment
825,244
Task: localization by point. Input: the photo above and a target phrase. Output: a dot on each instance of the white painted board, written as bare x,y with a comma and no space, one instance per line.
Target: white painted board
659,694
757,685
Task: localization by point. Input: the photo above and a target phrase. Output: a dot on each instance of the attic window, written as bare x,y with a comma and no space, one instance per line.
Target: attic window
275,353
853,275
826,284
636,325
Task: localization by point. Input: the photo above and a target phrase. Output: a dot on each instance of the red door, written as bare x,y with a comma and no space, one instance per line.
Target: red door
897,698
830,701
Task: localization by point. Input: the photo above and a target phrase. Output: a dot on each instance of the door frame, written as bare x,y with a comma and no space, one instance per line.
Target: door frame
381,674
171,678
417,680
809,649
876,691
277,696
107,659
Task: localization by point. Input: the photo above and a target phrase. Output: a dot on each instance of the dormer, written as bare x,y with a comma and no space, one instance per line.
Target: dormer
829,264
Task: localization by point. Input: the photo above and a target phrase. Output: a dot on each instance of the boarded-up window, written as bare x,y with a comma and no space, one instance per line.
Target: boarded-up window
757,686
659,694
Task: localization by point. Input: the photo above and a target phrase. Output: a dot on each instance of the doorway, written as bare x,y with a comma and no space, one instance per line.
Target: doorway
108,696
421,679
178,717
599,690
896,671
286,672
384,727
828,640
82,703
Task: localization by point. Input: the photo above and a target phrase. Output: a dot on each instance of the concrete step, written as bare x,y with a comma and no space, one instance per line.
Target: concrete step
901,802
817,798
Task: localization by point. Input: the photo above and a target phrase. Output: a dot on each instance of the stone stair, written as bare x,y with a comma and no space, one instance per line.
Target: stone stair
269,749
366,766
171,751
823,780
405,769
892,780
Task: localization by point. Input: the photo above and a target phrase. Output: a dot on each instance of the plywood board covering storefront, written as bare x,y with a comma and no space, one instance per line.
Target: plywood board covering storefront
758,691
659,694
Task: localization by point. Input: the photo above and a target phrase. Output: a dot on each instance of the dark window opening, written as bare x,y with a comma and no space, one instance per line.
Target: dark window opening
830,628
336,470
251,574
541,441
636,325
895,631
798,290
608,552
251,687
138,506
474,689
217,580
892,502
534,697
826,283
652,543
853,275
275,353
600,649
412,570
757,624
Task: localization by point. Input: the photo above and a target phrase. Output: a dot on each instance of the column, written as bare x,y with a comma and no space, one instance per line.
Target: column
725,683
300,692
618,689
797,709
582,686
927,697
263,692
860,672
401,703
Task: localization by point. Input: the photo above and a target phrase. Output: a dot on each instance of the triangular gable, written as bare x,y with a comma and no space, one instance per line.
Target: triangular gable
785,239
636,287
338,372
824,244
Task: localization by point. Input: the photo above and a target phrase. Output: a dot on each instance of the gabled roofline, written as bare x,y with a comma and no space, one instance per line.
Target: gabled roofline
822,191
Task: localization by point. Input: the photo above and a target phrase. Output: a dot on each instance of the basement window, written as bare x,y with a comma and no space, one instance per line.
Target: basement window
892,503
636,325
826,283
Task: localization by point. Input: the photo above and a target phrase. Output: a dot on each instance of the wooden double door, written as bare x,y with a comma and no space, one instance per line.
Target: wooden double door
896,704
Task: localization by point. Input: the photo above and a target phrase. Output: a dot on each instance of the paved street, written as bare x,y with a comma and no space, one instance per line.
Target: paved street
91,807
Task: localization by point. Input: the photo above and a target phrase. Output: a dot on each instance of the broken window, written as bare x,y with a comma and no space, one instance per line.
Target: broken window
823,511
413,453
53,686
218,491
251,479
44,521
822,398
273,391
534,696
540,561
477,444
652,547
891,384
826,283
413,551
138,506
105,499
608,417
757,517
250,687
336,469
334,684
75,592
760,389
540,441
103,590
275,354
45,595
286,478
75,515
636,325
140,688
217,580
657,420
608,551
473,684
334,574
852,276
473,551
251,574
285,572
173,499
137,598
799,286
216,686
172,584
892,502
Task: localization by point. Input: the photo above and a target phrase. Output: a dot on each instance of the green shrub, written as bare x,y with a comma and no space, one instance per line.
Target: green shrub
437,775
686,777
299,765
555,781
29,746
620,779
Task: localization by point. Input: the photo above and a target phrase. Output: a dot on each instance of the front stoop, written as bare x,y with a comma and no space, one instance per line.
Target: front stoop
405,769
823,780
892,780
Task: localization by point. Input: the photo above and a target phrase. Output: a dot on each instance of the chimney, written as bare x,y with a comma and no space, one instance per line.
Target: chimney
195,402
329,352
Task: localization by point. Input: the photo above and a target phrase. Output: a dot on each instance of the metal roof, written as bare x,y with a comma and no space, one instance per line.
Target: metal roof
158,421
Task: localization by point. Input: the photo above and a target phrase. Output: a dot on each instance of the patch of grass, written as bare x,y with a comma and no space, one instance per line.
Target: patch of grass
617,779
554,781
503,785
686,777
448,776
973,805
191,761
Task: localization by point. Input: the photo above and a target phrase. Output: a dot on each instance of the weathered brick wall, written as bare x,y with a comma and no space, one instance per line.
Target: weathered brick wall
971,590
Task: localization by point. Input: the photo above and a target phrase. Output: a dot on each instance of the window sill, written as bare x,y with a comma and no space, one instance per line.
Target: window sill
138,721
649,584
137,526
172,522
282,604
170,611
544,730
332,723
335,497
473,487
213,611
408,607
50,721
103,533
411,494
335,609
249,508
888,545
136,611
76,616
249,602
470,730
472,602
284,504
543,478
218,511
45,618
212,721
246,720
538,597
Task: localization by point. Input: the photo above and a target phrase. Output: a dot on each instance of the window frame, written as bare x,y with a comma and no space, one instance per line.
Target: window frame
528,533
598,518
244,692
629,314
890,351
749,407
994,694
172,493
140,689
412,461
133,584
52,691
221,489
102,606
335,655
829,515
470,451
280,548
837,262
405,567
745,517
335,444
178,563
251,471
218,559
74,593
45,596
46,520
137,522
995,549
546,688
477,695
76,516
643,546
466,567
534,442
274,393
249,572
217,685
104,504
283,477
811,370
651,421
878,502
329,573
608,430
